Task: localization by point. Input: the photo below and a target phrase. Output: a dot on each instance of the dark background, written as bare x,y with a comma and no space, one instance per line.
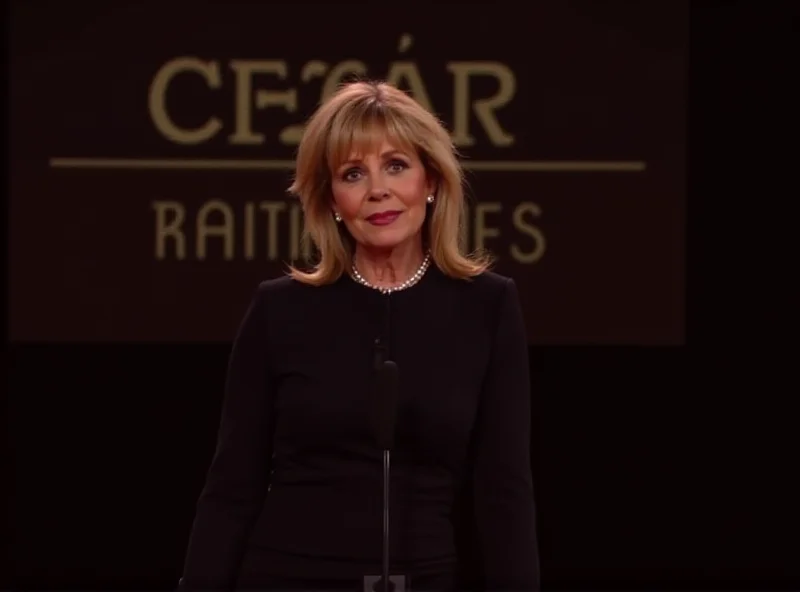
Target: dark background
656,468
594,82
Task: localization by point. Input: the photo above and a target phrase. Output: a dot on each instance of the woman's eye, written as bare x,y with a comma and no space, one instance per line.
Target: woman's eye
397,165
354,174
350,175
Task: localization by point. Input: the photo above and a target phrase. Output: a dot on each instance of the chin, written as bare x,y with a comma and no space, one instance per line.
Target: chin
385,239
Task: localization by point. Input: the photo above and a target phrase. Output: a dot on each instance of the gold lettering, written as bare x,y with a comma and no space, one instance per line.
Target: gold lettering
245,70
463,236
482,231
405,42
172,229
249,230
272,208
313,69
292,134
483,108
224,230
400,72
307,247
405,74
527,228
341,72
157,100
295,231
217,218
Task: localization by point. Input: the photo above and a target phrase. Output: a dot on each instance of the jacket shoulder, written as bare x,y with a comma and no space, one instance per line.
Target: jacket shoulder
490,280
488,286
279,291
277,286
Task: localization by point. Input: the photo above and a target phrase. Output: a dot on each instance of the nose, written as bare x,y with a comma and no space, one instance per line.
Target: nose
378,192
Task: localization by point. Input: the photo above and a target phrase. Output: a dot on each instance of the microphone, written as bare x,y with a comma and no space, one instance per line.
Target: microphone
384,418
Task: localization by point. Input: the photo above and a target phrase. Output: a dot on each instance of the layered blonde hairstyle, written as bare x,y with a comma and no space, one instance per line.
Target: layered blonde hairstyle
360,115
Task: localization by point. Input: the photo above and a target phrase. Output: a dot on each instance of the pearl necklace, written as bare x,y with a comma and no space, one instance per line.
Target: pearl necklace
406,284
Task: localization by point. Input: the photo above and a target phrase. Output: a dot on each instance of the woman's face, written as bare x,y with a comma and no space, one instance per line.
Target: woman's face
381,196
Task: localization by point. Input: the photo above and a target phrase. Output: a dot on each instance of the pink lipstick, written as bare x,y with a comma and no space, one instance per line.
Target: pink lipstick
383,218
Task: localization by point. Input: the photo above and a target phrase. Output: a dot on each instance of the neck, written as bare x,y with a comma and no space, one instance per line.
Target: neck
389,267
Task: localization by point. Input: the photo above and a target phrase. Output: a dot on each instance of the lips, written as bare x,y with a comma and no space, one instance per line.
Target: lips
383,218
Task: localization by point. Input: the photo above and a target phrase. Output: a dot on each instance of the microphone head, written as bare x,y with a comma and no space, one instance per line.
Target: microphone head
385,400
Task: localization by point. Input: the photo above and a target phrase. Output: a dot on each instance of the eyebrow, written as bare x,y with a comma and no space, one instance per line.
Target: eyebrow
384,155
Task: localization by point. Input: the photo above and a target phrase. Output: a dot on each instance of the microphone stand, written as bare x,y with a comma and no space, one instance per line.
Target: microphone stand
385,573
386,399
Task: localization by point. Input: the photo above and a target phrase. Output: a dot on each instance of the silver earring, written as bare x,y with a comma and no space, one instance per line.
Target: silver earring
337,216
430,198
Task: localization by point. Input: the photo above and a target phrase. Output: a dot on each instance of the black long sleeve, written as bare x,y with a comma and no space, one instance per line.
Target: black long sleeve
503,488
295,486
237,479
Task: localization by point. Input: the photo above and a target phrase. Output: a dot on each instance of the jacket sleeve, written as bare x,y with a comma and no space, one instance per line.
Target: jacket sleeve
503,483
237,479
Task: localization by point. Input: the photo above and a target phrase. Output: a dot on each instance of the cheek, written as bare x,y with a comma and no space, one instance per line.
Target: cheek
416,209
412,193
347,199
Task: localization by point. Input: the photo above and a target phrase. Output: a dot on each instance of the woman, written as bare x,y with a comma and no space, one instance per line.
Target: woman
293,498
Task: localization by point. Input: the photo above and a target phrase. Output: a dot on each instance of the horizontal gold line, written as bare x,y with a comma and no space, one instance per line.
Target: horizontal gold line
170,164
556,166
281,165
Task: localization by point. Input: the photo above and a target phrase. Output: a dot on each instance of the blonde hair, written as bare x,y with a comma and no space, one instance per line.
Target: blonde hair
360,114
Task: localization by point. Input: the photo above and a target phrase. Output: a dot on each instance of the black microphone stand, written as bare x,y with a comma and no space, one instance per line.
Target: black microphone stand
385,574
386,399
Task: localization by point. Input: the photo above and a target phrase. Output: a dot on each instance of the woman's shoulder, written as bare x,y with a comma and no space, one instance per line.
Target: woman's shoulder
290,291
487,284
283,287
491,280
277,285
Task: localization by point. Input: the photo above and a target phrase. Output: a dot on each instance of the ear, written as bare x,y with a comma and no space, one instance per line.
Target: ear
430,187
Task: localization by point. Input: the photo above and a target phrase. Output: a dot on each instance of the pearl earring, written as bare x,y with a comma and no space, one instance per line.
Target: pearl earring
430,199
337,216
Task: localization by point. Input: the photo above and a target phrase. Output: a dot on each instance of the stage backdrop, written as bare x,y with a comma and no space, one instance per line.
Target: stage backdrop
152,144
